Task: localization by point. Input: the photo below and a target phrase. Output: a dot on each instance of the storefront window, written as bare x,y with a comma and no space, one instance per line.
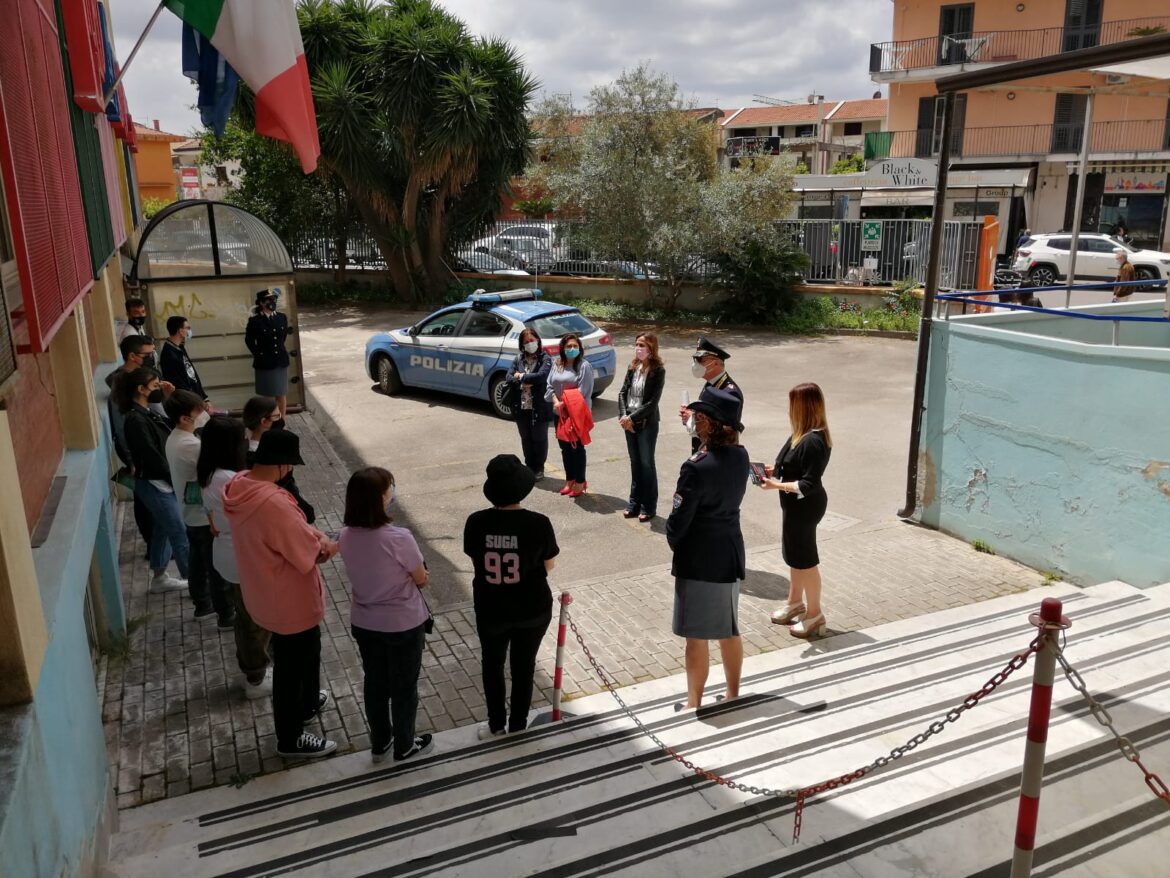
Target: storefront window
1140,215
965,209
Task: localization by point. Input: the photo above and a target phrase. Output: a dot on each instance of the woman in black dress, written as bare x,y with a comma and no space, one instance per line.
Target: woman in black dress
797,476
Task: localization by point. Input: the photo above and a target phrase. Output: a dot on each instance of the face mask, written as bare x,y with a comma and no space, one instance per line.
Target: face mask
641,353
156,396
201,419
698,369
190,332
390,500
137,322
572,353
530,347
270,304
148,361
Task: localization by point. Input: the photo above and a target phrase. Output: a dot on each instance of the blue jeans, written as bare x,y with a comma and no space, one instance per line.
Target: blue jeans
643,474
168,533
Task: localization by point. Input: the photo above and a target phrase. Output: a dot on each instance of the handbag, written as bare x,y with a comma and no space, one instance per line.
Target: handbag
192,494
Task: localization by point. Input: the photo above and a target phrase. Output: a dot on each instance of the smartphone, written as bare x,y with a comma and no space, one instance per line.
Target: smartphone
757,473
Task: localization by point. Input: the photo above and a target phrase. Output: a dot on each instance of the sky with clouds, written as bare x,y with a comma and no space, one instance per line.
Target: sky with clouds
721,52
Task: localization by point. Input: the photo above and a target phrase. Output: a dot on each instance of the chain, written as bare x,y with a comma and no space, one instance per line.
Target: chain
801,794
1125,745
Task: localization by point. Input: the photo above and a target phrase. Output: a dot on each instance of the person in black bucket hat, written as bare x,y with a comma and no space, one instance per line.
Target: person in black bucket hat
512,550
704,533
279,448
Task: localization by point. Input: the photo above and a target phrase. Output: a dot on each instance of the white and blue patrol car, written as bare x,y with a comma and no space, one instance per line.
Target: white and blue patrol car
467,348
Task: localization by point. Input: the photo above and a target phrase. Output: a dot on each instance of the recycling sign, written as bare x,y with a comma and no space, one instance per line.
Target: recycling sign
871,235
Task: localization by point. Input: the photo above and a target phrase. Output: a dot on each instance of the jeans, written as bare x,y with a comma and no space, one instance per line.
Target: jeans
204,584
524,639
643,474
142,519
251,640
296,682
533,441
391,661
168,533
573,458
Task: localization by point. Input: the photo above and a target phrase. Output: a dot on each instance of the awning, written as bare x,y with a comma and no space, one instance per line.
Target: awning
896,198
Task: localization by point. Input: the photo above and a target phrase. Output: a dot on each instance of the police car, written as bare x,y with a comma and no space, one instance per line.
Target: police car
467,348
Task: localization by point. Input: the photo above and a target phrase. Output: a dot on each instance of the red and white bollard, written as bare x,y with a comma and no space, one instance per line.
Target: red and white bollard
562,629
1050,622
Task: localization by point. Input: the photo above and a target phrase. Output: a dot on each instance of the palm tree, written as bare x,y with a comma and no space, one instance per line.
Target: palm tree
423,123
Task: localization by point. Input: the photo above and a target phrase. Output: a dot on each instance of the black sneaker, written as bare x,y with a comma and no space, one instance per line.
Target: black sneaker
322,700
204,612
228,622
308,747
422,745
379,754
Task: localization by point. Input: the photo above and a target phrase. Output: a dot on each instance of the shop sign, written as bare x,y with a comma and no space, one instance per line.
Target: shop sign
1136,184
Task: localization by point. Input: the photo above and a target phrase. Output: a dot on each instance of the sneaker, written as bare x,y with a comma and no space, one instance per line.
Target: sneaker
486,734
204,612
164,582
379,754
226,623
422,745
322,700
308,747
538,476
263,689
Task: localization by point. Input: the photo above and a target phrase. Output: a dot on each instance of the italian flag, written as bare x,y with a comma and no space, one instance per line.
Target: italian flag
260,39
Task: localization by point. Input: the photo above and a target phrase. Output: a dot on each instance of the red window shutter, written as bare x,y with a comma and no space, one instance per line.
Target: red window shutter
83,37
40,172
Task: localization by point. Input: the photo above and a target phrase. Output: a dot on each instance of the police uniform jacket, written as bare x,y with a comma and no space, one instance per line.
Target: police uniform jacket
703,527
265,337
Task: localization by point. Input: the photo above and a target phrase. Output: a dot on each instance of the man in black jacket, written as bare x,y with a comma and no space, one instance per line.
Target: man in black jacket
174,362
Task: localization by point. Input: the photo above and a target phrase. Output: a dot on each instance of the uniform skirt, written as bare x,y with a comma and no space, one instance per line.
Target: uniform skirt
272,382
705,610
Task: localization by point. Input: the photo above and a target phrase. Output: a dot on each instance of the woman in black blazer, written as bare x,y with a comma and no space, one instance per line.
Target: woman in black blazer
527,381
638,416
265,336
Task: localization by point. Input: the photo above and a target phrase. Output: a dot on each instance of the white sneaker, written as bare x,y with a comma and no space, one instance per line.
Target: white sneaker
258,690
486,734
165,582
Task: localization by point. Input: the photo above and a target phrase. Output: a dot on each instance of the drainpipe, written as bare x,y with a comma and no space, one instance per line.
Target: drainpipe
1079,205
933,269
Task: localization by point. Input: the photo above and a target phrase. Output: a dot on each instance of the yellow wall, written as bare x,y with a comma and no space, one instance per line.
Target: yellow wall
156,176
914,19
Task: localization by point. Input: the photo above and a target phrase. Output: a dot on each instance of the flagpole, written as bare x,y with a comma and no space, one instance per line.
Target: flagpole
109,96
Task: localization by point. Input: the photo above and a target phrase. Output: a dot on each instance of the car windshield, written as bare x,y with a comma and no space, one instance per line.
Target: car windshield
551,326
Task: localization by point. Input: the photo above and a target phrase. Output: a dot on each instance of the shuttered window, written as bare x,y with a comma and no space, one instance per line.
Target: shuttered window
42,189
9,290
1068,122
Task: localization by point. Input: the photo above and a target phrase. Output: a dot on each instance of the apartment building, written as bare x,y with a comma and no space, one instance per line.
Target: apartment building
1038,127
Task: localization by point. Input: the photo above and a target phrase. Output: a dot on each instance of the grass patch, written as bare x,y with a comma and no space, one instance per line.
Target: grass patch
120,648
981,546
1051,576
240,779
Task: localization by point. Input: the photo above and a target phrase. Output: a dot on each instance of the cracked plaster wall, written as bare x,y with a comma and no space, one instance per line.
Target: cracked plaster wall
1055,454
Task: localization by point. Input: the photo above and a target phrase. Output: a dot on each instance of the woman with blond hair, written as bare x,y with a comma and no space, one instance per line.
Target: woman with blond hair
638,416
797,476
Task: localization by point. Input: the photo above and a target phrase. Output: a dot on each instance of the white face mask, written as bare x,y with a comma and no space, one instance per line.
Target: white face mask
390,500
530,347
698,369
201,419
641,352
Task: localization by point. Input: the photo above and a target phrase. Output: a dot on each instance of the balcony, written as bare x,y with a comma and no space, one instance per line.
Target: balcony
1139,137
900,60
737,147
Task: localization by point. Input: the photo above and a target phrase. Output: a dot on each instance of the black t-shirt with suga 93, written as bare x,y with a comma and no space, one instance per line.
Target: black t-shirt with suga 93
508,548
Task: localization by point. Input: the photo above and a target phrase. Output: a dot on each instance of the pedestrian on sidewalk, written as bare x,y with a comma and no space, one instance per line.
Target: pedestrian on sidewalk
221,456
277,553
388,615
512,550
206,587
797,476
709,362
571,370
261,414
146,438
638,416
703,531
1126,273
265,336
527,383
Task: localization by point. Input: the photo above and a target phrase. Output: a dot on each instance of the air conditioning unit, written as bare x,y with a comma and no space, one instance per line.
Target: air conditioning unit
1116,79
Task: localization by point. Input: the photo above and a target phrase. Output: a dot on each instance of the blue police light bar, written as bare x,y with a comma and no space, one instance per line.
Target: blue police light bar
479,297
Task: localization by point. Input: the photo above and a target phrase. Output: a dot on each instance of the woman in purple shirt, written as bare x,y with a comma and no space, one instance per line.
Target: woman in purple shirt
389,615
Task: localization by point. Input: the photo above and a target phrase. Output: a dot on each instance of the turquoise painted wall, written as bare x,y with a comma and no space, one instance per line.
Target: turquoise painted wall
53,759
1053,451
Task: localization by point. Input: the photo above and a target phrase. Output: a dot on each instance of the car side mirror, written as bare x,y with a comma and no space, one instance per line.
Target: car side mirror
412,331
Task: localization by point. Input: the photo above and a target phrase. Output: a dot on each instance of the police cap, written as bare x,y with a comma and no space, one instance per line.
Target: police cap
706,347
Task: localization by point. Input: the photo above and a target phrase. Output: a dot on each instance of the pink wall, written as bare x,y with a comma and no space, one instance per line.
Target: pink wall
914,19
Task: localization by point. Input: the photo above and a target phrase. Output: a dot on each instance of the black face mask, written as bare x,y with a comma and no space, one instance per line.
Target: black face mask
156,396
148,361
278,424
269,304
137,322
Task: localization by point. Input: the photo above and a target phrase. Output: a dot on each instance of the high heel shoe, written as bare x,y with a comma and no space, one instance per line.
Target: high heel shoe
630,513
809,627
579,489
788,614
568,489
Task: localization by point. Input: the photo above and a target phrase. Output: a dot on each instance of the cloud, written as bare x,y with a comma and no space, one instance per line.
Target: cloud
721,52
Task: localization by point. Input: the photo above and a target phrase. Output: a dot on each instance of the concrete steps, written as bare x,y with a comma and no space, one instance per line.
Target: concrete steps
594,796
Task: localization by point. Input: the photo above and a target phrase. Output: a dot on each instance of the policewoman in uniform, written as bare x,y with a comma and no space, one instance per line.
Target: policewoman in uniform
704,533
265,336
709,363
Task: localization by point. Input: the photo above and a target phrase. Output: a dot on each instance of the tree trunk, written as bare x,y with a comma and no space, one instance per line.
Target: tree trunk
401,276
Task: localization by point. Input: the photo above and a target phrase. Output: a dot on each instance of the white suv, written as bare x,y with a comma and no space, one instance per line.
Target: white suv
1043,259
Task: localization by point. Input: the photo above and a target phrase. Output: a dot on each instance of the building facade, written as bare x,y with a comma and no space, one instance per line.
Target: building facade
155,165
1040,126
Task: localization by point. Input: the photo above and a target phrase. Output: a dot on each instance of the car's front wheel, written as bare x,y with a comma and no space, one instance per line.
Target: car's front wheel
1042,276
499,397
389,380
1143,272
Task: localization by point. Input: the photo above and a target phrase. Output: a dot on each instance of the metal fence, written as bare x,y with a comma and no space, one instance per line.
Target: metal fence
547,248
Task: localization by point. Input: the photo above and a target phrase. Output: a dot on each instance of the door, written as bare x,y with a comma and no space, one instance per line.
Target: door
1068,122
1082,24
955,23
930,117
1095,259
425,361
476,350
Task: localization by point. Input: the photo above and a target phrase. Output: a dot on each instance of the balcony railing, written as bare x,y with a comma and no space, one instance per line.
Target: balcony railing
736,147
1004,45
1133,136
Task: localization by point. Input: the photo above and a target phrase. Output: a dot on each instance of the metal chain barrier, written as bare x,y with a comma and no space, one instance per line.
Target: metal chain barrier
1101,714
802,794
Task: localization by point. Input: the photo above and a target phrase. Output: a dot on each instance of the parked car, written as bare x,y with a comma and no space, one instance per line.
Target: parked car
599,268
519,251
485,263
467,348
1044,259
